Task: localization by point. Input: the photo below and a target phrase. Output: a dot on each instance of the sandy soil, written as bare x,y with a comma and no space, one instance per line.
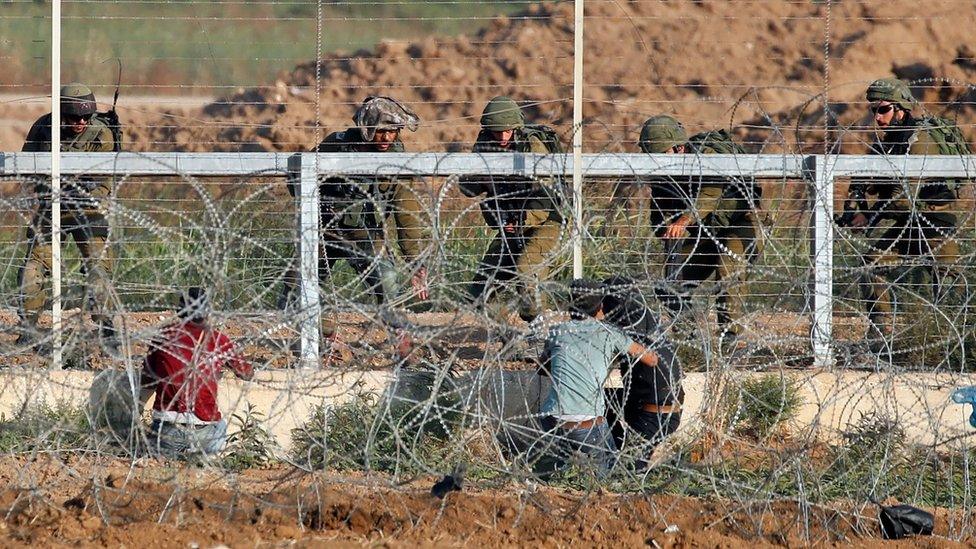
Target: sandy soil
152,505
757,69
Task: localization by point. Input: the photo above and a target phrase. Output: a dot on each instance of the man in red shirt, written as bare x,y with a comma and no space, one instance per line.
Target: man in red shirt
183,368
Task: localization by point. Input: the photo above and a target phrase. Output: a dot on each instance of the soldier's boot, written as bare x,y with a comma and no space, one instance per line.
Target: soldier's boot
100,293
29,335
731,342
529,307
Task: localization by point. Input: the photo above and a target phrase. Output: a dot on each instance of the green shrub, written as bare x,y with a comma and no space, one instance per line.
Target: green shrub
252,445
406,431
759,405
46,428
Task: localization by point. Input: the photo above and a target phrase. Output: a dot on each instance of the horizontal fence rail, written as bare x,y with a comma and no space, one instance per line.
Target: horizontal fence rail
820,171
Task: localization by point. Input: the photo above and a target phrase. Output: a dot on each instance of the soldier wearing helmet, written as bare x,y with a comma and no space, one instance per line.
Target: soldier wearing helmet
81,217
355,211
710,226
523,212
919,216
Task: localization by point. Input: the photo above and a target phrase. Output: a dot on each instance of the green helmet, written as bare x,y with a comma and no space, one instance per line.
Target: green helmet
660,133
892,90
77,100
502,113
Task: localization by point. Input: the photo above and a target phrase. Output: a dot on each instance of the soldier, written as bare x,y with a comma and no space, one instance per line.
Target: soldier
524,213
710,226
921,216
81,131
354,211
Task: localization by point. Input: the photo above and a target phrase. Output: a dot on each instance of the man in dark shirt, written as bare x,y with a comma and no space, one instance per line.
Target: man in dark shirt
651,397
183,369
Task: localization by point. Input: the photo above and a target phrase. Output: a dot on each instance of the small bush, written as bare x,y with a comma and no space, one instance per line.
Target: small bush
251,446
870,460
60,427
389,434
761,404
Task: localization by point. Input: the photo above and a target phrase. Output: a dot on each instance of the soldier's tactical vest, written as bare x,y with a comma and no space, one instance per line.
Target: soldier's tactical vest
508,199
740,196
79,193
87,141
950,141
359,202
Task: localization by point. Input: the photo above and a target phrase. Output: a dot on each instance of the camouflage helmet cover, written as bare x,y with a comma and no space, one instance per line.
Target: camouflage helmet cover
892,90
501,114
77,100
384,113
660,133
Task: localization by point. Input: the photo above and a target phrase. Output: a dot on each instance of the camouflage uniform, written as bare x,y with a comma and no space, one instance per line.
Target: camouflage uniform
80,215
724,235
523,213
921,212
354,210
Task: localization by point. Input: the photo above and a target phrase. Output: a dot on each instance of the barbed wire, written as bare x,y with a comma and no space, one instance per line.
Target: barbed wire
751,437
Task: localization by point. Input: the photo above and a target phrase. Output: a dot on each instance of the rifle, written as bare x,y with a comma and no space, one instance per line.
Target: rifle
505,203
672,259
856,203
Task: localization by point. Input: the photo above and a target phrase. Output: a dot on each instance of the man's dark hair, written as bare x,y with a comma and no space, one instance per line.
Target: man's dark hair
586,296
619,290
194,304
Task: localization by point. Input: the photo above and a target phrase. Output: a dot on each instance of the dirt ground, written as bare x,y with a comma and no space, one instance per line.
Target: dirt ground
465,340
53,504
755,68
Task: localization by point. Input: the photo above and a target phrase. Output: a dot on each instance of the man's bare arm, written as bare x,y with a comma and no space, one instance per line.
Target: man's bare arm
638,351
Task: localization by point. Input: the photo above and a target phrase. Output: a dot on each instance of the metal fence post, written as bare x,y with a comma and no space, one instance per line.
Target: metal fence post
823,261
308,246
577,233
56,324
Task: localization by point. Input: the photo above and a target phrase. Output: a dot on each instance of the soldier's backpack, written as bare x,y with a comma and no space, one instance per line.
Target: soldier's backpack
950,140
543,133
720,142
946,135
111,119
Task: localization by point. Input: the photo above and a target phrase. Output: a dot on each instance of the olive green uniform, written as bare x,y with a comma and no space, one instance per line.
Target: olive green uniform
80,219
353,215
921,213
926,230
724,239
524,251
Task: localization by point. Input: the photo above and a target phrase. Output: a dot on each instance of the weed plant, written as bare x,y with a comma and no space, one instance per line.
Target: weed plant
759,405
251,446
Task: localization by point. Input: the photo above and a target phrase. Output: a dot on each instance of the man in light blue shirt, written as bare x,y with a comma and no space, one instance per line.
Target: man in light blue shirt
578,356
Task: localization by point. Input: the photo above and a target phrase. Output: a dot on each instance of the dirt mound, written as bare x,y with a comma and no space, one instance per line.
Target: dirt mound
157,506
713,64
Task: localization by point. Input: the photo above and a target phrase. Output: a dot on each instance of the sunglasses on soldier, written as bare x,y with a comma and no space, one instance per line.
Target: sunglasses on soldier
74,119
882,109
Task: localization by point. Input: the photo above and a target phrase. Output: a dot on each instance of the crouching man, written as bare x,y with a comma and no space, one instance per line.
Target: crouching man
650,398
577,356
183,369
